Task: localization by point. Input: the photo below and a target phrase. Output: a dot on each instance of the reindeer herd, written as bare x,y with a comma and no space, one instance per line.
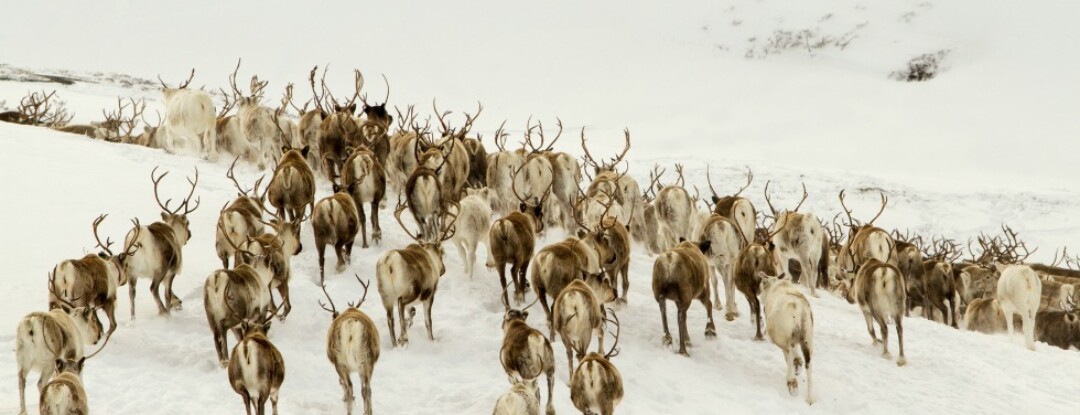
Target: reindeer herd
455,190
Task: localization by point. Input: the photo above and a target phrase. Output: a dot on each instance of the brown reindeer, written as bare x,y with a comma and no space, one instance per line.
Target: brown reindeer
338,130
611,241
256,367
352,345
335,221
865,241
596,387
43,339
578,313
238,296
240,220
363,174
160,257
984,315
557,265
512,240
753,259
734,207
797,238
411,274
880,291
526,353
681,275
92,280
292,188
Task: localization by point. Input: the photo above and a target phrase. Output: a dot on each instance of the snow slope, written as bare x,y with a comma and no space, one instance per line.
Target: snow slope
991,140
167,366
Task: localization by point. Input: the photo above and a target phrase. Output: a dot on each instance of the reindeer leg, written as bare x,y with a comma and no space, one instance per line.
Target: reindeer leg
550,375
809,275
170,296
870,326
1028,320
729,293
365,388
155,289
625,271
283,290
502,282
131,294
427,316
569,354
519,287
339,252
363,225
900,361
110,312
460,245
684,334
320,247
663,319
221,344
22,390
247,401
715,286
884,337
710,327
792,383
403,341
390,322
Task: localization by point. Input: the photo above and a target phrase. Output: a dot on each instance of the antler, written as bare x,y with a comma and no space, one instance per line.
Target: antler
182,84
588,157
614,351
52,289
542,138
257,87
450,229
108,242
358,85
318,100
445,130
884,202
187,200
397,215
851,221
332,309
501,137
469,119
363,297
619,158
804,196
768,201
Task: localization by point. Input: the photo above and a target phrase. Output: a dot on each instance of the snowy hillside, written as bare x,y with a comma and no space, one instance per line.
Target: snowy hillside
991,140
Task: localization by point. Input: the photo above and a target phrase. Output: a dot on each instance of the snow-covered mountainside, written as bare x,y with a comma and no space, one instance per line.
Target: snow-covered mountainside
800,93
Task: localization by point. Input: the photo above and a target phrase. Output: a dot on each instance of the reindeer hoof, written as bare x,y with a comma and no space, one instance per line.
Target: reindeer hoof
731,316
710,331
224,364
620,301
759,338
403,343
793,387
886,355
667,340
798,365
684,352
901,361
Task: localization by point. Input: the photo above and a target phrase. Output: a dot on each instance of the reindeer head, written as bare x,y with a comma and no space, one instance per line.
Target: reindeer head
532,206
108,255
169,91
176,219
289,234
766,282
605,165
601,285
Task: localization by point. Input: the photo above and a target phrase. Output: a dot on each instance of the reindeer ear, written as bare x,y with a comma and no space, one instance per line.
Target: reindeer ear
304,151
1070,318
681,239
770,246
715,199
335,187
164,216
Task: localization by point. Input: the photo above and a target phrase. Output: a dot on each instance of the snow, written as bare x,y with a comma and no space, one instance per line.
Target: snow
991,140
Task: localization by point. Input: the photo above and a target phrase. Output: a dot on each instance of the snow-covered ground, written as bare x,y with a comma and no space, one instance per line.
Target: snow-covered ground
991,140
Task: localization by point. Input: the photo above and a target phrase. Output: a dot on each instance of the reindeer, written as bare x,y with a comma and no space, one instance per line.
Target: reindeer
188,111
279,248
425,194
411,274
478,162
363,173
65,394
865,241
753,259
352,345
520,399
160,257
596,386
798,237
879,289
376,125
725,243
256,368
92,280
1060,328
611,241
1019,291
512,240
557,265
335,221
236,297
537,174
401,159
44,339
240,220
525,353
339,131
501,166
259,124
734,207
790,324
624,188
455,156
984,315
673,208
681,275
939,284
909,259
577,314
473,224
292,188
